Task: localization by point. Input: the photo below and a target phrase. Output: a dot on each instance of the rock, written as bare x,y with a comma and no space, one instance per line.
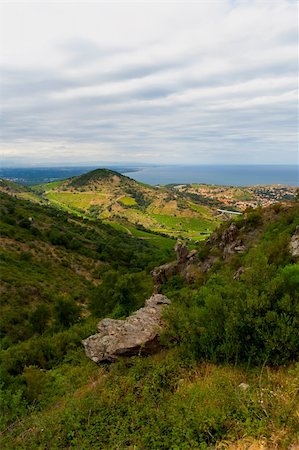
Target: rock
161,274
238,273
185,265
240,248
181,251
229,235
138,334
243,386
294,243
192,256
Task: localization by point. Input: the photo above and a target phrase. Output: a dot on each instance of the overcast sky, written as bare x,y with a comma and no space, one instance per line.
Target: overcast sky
149,82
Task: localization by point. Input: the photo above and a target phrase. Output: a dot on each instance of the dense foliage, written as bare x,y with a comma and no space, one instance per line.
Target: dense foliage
61,273
57,269
251,317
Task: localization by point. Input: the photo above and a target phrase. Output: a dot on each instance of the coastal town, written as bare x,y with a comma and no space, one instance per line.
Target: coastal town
239,198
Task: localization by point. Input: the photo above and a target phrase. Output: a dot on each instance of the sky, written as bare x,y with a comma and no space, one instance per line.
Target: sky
186,82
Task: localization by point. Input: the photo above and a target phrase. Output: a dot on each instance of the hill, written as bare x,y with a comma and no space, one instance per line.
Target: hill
131,206
226,376
19,191
49,256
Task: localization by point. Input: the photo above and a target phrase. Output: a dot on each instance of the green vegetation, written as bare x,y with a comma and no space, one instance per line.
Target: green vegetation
79,201
113,197
128,201
94,175
251,318
154,403
185,226
53,263
237,323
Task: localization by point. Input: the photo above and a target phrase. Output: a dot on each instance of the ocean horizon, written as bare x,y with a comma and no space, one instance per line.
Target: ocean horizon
229,175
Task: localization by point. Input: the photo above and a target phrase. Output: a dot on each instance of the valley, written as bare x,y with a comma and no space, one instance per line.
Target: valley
88,248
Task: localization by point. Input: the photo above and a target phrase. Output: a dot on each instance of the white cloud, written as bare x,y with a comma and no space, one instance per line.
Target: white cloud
151,81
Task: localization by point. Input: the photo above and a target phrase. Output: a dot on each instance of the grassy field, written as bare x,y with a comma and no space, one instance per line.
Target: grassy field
160,241
81,200
194,228
128,201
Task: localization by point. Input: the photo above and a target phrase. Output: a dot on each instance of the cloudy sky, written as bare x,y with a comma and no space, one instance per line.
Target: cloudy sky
149,82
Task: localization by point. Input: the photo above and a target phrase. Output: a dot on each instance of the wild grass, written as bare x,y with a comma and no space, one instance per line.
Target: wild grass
158,403
128,201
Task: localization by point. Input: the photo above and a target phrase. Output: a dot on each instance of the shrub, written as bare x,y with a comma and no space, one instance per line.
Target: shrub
66,312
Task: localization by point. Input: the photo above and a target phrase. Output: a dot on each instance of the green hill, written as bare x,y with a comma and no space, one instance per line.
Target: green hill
226,377
117,199
19,191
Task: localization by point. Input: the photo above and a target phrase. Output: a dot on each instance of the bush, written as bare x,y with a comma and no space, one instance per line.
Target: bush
39,318
66,312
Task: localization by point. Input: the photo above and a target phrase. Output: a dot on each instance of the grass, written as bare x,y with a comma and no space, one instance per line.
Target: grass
188,227
157,403
47,186
160,241
160,212
128,201
81,200
30,196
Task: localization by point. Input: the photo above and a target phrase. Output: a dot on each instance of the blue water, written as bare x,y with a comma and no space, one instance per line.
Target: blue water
210,174
223,175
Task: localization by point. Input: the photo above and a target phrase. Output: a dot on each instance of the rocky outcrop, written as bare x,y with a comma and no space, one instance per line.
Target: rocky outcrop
185,265
181,251
230,242
138,334
162,273
294,244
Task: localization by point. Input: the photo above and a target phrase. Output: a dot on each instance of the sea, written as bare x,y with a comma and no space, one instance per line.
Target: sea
229,175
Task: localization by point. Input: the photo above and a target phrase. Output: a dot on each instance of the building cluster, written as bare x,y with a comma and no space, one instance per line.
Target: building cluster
240,198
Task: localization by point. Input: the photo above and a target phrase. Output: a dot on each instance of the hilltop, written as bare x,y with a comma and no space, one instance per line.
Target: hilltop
131,206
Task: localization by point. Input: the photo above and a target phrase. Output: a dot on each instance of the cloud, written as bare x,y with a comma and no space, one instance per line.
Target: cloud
197,82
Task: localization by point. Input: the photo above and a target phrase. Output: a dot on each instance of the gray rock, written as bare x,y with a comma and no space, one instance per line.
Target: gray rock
243,386
138,334
294,244
181,251
162,273
185,265
239,273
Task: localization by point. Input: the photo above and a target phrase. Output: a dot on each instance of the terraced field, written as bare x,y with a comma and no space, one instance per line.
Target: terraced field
145,210
78,200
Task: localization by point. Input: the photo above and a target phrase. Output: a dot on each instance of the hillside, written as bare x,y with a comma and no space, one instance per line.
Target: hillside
19,191
48,256
226,375
237,198
130,205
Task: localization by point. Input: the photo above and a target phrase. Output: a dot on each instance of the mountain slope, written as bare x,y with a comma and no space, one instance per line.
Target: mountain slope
116,198
19,191
211,387
47,255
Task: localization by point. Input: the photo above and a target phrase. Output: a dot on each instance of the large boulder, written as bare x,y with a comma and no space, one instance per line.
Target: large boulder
138,334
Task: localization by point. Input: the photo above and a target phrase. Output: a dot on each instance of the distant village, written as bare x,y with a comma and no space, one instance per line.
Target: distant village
240,198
